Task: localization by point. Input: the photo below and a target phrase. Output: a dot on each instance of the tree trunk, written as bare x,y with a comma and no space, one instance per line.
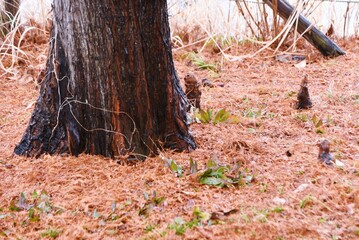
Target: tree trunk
111,87
12,6
315,37
10,10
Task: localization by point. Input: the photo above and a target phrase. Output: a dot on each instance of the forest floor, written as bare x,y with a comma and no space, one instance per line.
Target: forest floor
284,192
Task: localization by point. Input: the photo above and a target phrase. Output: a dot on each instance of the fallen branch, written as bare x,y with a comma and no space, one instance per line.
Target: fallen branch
315,37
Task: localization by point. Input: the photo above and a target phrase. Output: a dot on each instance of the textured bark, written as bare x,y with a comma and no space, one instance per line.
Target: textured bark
111,87
12,6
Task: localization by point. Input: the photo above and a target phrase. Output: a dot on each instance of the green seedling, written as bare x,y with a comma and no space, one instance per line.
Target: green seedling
200,63
263,187
306,201
149,228
51,233
205,116
222,116
262,216
150,203
199,219
193,166
176,168
278,209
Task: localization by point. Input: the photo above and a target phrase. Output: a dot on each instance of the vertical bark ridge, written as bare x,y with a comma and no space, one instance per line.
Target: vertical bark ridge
113,89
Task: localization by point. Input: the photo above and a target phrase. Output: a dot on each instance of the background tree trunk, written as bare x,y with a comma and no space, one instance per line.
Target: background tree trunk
10,10
111,87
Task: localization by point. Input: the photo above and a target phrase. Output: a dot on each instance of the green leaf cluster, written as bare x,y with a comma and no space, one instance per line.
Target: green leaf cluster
199,218
176,168
200,63
215,175
51,233
209,116
315,121
150,203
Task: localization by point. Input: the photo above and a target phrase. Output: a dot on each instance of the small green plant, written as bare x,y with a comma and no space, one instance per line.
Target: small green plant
149,228
306,201
13,207
201,215
221,116
179,225
318,124
252,113
251,130
111,232
278,209
223,176
200,63
280,189
51,233
176,168
315,121
216,177
4,233
300,172
96,214
150,203
356,98
291,93
35,205
262,215
205,116
263,187
193,166
322,220
302,117
329,94
33,216
199,218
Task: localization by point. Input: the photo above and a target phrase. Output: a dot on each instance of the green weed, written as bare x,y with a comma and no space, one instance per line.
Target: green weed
51,233
176,168
197,60
209,116
151,202
278,209
306,201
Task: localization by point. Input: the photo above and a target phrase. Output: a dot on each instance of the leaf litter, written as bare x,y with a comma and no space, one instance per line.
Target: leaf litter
92,197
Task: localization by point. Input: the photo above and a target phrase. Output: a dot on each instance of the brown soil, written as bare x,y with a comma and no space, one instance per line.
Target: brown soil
293,195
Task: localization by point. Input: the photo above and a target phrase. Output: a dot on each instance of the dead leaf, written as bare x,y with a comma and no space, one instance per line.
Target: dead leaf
301,64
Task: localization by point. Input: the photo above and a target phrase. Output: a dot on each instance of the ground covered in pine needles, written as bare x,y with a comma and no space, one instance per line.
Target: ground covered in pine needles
270,183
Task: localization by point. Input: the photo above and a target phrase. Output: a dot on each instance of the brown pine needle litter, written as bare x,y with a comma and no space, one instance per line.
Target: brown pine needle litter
285,193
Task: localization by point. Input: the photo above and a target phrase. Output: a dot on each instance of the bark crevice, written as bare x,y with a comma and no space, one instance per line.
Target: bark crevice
111,87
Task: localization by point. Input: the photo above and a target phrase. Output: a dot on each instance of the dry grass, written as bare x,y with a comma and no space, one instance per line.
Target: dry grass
291,197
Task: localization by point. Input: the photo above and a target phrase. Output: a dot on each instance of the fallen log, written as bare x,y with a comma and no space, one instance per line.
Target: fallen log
315,37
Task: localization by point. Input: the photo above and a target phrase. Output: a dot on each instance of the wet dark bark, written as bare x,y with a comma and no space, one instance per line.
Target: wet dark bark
111,87
315,37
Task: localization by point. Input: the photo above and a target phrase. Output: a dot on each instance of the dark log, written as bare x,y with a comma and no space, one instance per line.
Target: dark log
111,88
315,37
